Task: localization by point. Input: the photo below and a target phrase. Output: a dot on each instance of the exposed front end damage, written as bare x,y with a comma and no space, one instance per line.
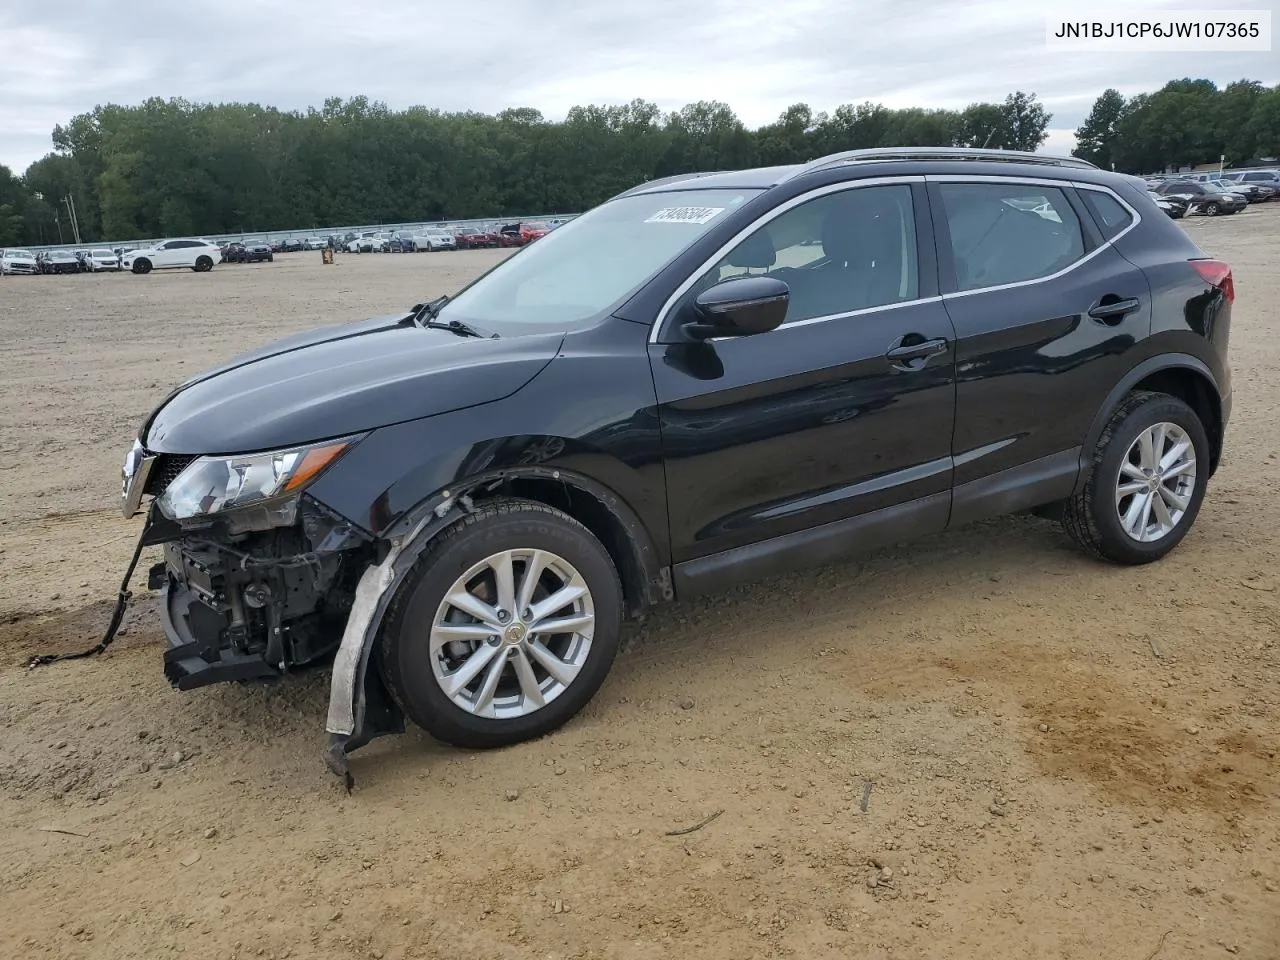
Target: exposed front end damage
359,707
281,581
256,605
260,605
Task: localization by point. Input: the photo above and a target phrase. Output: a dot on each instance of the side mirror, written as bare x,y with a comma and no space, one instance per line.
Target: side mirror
739,307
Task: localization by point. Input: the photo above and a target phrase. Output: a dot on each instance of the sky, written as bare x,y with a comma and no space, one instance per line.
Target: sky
759,56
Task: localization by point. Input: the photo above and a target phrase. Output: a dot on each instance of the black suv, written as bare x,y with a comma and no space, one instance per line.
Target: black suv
248,251
1210,199
707,379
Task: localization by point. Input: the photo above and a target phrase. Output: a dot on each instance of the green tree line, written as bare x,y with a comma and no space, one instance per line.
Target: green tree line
1185,122
173,168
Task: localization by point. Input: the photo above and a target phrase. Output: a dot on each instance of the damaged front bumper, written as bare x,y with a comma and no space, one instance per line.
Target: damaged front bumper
258,605
261,605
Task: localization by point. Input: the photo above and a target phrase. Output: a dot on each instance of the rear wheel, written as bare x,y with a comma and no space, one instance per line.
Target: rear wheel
142,266
1150,470
506,627
203,265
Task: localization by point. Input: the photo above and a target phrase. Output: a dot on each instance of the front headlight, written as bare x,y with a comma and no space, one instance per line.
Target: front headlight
270,481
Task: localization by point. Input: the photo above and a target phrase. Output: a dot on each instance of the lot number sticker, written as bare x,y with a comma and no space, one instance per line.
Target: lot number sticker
685,215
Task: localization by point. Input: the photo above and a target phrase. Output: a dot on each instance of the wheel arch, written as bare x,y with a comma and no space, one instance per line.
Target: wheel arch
1179,375
360,708
645,577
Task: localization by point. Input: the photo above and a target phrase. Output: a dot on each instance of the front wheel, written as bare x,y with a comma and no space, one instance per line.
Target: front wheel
142,266
1150,470
506,627
1212,209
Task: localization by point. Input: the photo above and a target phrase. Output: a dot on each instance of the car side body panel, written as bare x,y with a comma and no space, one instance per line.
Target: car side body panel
590,411
1032,366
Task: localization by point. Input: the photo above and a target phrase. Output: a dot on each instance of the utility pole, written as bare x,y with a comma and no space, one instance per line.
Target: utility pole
70,202
58,221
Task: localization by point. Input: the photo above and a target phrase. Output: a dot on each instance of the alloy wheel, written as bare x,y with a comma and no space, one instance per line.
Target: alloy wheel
512,633
1156,482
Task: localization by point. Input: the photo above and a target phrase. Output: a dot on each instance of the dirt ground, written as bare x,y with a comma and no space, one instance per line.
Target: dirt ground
1066,759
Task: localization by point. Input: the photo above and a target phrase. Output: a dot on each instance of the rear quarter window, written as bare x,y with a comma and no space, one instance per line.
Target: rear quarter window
1110,214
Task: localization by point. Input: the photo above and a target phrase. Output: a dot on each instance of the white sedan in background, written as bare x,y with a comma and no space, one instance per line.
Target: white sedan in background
197,255
102,259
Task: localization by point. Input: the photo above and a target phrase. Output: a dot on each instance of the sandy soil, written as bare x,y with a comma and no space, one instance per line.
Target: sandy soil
1066,759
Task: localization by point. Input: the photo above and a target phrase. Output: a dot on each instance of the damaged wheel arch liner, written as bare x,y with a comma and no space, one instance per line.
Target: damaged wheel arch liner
408,539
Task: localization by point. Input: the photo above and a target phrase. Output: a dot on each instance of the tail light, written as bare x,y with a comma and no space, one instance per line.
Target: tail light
1217,274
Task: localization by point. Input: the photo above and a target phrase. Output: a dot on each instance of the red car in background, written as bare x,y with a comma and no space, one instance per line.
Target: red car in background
509,236
471,238
518,234
532,230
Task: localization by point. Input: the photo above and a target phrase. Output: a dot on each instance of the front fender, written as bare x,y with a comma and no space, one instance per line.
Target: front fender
359,706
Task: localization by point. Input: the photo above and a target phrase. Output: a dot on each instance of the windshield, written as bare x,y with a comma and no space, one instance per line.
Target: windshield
19,253
101,253
593,261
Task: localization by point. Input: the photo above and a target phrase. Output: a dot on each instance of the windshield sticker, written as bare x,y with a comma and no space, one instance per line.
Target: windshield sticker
685,215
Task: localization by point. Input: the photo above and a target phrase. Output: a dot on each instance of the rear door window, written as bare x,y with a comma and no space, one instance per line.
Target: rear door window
1004,233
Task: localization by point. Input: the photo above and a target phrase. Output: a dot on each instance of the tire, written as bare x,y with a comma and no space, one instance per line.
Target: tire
1212,209
203,265
415,674
142,266
1092,517
271,258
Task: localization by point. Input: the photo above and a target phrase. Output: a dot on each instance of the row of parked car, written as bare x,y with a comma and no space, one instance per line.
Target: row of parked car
201,255
192,254
1214,194
442,238
15,261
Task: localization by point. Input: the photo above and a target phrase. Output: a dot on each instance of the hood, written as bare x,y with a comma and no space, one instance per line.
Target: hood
341,380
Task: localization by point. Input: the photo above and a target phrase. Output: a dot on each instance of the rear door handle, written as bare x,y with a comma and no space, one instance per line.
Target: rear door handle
921,349
1112,310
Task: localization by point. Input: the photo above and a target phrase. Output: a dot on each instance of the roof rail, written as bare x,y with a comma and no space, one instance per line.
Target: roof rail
942,153
660,181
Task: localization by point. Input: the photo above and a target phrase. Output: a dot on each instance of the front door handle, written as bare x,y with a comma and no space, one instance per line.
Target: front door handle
1112,309
914,347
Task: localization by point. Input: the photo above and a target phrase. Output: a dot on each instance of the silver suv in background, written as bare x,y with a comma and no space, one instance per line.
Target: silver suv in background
434,238
15,260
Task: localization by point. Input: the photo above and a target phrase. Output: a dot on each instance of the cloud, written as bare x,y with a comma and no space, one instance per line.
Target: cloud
757,55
